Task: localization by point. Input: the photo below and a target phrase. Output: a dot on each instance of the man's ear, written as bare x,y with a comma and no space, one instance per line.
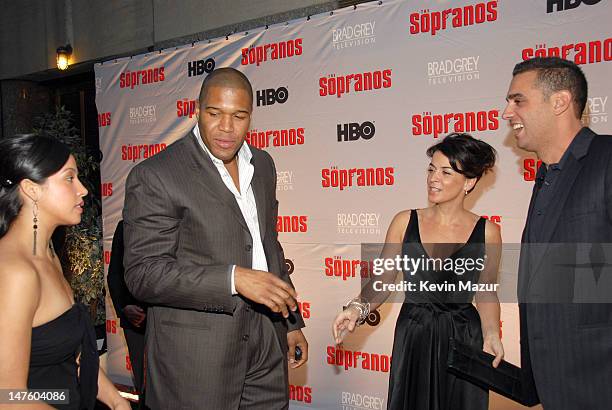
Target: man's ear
561,101
30,189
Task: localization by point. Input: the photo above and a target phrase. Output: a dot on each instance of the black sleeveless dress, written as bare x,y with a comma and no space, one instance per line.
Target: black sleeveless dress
419,379
55,348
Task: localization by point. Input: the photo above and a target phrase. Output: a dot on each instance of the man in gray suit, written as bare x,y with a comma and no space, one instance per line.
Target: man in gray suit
566,347
201,249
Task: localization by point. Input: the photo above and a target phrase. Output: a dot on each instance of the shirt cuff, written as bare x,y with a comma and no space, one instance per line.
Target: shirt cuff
232,280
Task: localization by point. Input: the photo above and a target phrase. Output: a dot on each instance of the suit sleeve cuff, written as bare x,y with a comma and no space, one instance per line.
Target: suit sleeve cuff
232,280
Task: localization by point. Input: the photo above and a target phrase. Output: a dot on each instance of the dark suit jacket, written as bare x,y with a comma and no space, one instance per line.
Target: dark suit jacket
119,293
566,347
183,231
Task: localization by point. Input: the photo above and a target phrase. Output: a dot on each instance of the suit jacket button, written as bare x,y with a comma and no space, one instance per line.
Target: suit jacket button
248,248
245,337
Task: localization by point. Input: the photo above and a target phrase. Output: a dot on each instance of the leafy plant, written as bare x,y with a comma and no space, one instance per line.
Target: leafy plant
83,245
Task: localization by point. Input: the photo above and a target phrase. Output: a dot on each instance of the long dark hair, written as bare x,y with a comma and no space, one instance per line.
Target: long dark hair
25,157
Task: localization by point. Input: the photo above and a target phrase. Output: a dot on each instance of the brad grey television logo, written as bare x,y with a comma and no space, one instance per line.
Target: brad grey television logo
358,401
354,35
284,180
453,70
358,223
595,112
142,114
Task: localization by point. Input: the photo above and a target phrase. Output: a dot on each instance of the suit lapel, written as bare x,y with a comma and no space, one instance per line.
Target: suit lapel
259,191
207,177
524,260
568,176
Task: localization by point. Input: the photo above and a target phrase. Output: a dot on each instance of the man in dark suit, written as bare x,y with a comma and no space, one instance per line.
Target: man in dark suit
202,250
131,313
566,346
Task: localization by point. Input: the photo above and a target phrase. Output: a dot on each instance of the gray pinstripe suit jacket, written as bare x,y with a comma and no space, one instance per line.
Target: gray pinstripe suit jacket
183,231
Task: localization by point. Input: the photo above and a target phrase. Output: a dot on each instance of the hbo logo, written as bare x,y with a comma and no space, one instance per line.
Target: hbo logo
567,4
353,131
200,67
271,96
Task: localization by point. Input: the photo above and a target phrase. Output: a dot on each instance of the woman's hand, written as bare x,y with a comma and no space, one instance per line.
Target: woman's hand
493,345
345,322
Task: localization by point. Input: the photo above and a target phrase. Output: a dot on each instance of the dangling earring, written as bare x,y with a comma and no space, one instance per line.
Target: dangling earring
35,225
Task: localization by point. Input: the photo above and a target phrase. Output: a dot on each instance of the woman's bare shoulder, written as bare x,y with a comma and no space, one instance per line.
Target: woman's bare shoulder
18,277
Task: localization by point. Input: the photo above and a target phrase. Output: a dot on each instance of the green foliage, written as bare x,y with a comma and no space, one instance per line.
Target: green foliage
83,247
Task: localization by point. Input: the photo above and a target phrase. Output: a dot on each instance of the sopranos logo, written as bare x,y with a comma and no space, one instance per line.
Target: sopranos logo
452,71
132,79
336,267
304,309
292,223
567,4
300,393
592,52
104,119
353,131
339,85
359,223
493,218
142,114
284,180
134,153
350,359
186,108
273,51
434,21
358,401
596,110
271,96
343,178
530,168
436,124
199,67
354,35
275,138
107,189
111,326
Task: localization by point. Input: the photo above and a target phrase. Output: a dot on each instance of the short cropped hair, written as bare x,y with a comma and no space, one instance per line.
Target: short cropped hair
555,74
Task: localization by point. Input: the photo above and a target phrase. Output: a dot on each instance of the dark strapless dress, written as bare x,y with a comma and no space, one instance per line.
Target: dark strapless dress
419,379
55,348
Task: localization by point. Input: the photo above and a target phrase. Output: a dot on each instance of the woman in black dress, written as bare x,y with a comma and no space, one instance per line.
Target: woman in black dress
47,341
419,379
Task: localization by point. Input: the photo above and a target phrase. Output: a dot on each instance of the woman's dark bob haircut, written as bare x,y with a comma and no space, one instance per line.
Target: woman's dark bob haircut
467,155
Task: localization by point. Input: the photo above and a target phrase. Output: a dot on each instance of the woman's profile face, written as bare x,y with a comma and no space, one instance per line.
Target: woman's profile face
443,182
61,200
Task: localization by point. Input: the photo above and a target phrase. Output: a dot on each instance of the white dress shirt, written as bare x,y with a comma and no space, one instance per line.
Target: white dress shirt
244,197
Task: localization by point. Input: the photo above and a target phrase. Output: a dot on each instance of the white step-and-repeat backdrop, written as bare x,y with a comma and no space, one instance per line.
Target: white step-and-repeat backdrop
347,103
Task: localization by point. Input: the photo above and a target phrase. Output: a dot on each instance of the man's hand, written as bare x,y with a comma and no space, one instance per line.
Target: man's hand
135,314
296,338
265,288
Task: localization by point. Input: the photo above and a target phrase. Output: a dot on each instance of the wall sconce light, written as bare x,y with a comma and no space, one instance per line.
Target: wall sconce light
63,56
